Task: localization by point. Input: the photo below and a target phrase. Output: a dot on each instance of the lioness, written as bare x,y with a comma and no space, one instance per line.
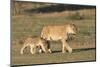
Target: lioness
33,43
59,32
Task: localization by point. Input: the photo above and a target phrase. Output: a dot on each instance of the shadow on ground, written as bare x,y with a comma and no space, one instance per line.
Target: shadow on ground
77,50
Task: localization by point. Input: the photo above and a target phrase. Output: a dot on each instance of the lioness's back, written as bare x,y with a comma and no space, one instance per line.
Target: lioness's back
56,31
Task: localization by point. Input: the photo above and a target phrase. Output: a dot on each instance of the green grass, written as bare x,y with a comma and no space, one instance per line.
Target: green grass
26,25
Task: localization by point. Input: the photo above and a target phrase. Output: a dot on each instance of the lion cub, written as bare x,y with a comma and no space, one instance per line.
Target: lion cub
33,43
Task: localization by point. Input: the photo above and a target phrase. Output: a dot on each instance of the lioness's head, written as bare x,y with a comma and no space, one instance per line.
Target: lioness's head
71,29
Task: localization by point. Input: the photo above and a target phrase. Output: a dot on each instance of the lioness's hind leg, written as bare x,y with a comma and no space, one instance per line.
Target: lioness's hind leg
48,47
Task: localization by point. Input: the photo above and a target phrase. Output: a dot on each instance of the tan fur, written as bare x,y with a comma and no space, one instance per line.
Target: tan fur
33,43
59,32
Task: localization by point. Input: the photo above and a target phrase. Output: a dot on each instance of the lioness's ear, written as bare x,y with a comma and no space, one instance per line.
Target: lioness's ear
76,28
74,25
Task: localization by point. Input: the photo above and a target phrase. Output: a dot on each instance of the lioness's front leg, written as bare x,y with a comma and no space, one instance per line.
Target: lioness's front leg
66,46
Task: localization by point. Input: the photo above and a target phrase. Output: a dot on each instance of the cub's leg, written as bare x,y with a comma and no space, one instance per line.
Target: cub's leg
22,49
33,49
42,48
